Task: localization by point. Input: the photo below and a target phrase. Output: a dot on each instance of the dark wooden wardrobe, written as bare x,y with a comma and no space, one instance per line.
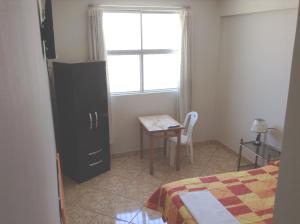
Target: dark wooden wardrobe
82,106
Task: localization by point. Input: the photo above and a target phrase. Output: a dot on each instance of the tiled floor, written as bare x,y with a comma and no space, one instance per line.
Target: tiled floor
118,195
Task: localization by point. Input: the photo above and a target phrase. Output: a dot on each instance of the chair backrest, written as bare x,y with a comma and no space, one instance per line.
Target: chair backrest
189,123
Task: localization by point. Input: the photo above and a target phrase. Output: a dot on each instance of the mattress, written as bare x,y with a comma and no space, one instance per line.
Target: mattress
247,195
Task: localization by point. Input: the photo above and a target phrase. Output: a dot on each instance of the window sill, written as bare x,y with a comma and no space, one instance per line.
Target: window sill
145,92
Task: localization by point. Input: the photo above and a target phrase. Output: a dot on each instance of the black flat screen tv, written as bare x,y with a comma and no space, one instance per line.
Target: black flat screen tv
47,31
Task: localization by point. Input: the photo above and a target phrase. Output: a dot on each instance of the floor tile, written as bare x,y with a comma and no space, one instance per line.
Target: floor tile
147,216
219,165
225,154
101,219
190,173
126,168
77,215
117,197
106,203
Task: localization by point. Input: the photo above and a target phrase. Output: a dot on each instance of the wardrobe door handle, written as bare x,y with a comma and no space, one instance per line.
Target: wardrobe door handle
91,121
96,122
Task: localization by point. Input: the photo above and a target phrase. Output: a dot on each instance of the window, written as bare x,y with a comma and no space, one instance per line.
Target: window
143,50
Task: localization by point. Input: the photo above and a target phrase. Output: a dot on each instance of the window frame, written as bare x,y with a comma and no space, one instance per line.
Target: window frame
141,52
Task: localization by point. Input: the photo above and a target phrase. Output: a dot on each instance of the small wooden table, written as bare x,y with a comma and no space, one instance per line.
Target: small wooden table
160,126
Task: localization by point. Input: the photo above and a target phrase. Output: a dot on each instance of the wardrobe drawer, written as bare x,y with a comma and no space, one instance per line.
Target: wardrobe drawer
96,163
94,168
94,157
96,152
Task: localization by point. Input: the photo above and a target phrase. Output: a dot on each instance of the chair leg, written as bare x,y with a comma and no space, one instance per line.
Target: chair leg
165,144
168,148
191,152
187,150
172,154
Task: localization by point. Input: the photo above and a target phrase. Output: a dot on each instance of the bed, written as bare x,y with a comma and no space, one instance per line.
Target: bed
248,195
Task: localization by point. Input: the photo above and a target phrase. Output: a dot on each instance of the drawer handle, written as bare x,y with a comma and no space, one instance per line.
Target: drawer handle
91,121
96,122
96,152
96,163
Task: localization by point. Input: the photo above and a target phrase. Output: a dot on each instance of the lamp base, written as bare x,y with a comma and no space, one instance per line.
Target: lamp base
257,143
257,140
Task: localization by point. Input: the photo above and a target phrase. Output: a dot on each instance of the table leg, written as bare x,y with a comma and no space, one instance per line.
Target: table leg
151,154
240,157
269,159
178,150
142,141
256,157
165,144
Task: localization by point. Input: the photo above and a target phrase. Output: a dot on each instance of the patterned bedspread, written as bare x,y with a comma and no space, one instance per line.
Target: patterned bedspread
248,195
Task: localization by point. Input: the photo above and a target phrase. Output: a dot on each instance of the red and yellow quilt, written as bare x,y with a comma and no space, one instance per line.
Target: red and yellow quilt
248,195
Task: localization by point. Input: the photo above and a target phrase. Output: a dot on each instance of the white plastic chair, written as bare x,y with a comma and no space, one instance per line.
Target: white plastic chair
186,138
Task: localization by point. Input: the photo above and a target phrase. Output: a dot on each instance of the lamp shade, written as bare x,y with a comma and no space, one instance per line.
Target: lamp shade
259,126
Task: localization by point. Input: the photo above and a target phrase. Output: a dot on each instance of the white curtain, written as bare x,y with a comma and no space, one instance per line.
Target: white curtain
97,50
96,37
184,98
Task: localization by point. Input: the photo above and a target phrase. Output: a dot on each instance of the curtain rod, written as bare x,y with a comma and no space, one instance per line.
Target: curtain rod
139,7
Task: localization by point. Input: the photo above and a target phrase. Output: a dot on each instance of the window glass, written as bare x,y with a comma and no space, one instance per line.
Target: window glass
122,31
161,71
161,31
124,73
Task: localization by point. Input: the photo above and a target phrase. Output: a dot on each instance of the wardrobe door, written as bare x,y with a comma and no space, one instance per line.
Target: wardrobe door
101,129
91,105
85,120
101,109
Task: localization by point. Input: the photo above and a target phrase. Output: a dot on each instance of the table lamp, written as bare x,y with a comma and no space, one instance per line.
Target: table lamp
259,126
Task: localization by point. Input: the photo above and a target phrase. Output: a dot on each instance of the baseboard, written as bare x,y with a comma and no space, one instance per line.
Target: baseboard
124,154
207,142
196,144
136,152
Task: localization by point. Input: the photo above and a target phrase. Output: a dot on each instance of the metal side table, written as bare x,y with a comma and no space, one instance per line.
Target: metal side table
264,151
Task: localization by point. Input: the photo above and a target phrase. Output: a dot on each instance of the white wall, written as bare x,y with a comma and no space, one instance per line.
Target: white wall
127,108
254,54
288,194
28,188
238,7
254,71
70,25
